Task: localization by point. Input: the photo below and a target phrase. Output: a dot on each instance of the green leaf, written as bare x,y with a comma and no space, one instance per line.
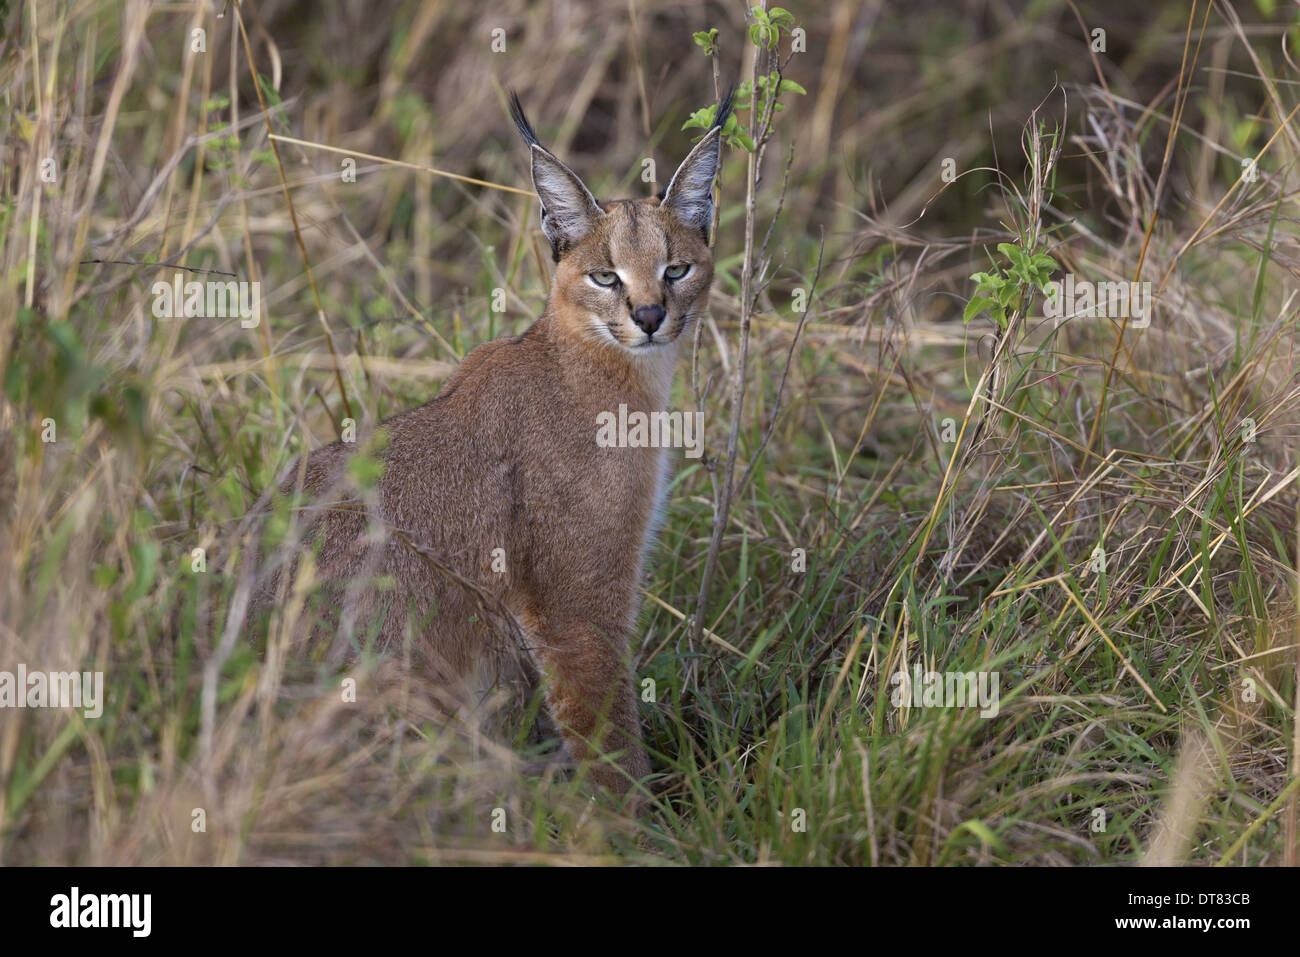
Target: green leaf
977,305
981,830
1014,253
144,559
781,16
105,575
707,39
701,118
790,86
268,91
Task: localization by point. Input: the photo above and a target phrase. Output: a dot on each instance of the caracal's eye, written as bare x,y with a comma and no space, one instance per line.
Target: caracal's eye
603,278
677,271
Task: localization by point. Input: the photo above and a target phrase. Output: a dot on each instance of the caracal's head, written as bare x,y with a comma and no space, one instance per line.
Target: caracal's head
631,272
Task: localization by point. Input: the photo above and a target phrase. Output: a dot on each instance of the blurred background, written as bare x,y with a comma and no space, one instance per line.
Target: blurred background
891,93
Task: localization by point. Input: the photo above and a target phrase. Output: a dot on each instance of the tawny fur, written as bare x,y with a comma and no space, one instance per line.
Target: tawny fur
505,457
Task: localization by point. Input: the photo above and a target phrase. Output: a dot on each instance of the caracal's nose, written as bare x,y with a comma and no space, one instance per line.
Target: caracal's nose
649,318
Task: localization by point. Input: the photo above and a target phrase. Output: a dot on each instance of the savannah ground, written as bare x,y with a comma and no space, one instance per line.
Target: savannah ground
1101,512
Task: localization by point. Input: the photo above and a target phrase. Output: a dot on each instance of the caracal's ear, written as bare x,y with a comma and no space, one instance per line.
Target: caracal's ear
690,191
569,210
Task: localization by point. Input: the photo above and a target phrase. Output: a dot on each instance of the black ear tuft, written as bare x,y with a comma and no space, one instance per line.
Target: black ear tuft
724,108
690,191
521,121
567,209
